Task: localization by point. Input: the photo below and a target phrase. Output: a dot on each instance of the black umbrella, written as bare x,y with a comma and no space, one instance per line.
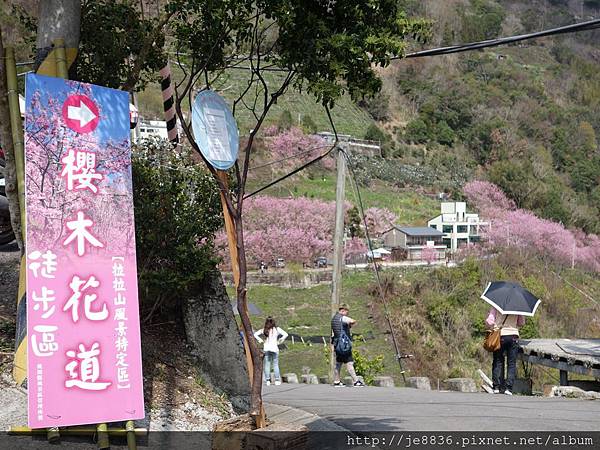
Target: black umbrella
510,298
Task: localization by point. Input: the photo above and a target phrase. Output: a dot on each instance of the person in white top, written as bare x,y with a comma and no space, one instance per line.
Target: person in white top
273,337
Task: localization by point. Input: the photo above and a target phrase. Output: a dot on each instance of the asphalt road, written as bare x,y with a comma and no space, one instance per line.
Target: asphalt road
374,409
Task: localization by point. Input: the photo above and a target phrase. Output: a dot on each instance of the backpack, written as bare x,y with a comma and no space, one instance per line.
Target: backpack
343,345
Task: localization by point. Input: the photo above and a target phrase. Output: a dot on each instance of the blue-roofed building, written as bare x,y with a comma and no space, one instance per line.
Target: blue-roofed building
409,242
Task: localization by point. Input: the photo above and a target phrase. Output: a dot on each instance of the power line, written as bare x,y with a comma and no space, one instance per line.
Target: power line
293,172
295,155
583,26
399,356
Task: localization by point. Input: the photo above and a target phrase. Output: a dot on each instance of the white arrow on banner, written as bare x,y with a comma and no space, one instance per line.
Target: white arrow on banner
82,113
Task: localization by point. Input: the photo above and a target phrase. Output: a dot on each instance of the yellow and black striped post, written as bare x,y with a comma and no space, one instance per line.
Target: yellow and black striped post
169,103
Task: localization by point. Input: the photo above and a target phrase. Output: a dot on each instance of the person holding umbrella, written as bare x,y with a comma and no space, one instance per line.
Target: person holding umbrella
510,304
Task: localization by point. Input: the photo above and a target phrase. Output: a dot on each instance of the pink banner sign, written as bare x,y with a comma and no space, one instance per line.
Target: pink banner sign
83,355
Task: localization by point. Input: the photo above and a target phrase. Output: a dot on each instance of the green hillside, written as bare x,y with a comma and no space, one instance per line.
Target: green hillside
523,116
436,313
347,116
411,208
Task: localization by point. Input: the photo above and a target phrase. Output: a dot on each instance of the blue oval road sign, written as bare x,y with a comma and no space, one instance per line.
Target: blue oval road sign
215,130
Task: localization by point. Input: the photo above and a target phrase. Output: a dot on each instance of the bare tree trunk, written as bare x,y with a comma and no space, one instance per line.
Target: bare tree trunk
57,19
242,305
10,174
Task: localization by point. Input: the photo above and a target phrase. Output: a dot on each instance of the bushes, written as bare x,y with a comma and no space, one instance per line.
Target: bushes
484,21
308,125
285,121
418,132
367,367
177,212
374,133
377,106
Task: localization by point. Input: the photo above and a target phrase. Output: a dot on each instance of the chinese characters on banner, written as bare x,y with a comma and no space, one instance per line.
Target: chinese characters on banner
84,360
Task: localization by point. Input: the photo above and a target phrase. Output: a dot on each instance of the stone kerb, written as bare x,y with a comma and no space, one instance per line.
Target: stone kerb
383,381
348,380
309,378
461,384
291,378
418,383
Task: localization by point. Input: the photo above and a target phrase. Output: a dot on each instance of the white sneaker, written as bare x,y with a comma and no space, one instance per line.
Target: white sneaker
507,392
268,383
278,383
496,391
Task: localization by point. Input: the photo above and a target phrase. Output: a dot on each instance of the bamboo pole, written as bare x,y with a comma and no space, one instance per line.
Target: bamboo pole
17,129
62,69
85,430
130,429
16,125
53,435
103,442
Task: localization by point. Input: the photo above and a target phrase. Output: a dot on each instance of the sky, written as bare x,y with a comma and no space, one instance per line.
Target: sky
112,104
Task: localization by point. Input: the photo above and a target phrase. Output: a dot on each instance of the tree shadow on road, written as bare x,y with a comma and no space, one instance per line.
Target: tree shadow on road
368,425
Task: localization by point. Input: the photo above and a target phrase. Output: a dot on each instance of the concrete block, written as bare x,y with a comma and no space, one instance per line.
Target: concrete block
586,385
575,392
383,381
288,436
522,386
418,383
324,380
548,390
290,378
461,384
309,378
348,380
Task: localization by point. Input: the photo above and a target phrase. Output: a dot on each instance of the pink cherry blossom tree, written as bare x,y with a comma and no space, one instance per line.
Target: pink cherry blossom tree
429,255
379,220
296,229
49,201
288,143
522,229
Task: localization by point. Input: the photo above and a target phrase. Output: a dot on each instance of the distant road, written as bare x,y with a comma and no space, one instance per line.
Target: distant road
394,409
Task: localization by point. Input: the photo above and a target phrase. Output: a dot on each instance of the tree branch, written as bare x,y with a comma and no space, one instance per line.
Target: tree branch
134,74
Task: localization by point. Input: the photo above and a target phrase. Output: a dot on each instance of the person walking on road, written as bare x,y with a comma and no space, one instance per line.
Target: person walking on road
342,344
509,334
273,337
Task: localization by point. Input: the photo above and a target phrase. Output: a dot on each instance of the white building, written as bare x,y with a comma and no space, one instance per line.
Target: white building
152,129
458,226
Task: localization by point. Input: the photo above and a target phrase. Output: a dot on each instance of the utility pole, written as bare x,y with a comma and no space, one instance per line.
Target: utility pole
338,240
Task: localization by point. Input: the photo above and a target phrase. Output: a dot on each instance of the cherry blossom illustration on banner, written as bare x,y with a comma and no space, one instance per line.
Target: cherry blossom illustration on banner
84,358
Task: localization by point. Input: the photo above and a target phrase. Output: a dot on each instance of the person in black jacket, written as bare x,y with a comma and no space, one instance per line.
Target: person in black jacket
341,323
